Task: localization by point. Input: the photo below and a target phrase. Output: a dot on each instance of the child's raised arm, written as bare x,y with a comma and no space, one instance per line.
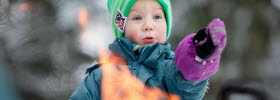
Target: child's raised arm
198,55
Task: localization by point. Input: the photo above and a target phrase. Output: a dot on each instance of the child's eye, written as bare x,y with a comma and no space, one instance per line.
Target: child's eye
137,18
157,17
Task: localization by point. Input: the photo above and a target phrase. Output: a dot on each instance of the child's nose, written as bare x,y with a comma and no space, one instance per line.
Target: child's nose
148,27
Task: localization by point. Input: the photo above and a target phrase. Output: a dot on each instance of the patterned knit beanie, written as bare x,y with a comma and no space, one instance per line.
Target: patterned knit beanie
119,10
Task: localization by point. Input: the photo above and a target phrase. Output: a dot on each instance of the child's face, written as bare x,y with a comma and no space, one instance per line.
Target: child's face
146,24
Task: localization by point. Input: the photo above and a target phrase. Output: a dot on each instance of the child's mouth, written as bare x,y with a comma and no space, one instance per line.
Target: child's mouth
149,39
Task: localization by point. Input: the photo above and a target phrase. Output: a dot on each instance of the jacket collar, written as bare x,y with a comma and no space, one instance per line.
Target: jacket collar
149,57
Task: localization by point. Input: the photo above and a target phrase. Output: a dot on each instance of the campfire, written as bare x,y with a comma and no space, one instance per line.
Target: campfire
119,84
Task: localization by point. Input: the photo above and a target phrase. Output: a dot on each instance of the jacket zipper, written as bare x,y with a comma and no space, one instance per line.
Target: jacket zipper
142,52
134,69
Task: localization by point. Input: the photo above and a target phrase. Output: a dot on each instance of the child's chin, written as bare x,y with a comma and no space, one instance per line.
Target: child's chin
150,44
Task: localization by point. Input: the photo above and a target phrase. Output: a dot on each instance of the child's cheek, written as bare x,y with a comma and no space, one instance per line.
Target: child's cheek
133,36
162,34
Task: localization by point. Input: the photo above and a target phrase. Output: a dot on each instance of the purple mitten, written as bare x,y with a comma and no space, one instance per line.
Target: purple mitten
190,64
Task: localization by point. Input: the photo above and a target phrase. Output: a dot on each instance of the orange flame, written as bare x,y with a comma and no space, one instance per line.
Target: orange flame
119,84
83,17
25,6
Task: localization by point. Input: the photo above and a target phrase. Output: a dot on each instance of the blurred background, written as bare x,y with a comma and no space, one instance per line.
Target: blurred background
46,45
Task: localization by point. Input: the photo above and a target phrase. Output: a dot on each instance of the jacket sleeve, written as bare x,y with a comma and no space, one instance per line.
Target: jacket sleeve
188,90
88,90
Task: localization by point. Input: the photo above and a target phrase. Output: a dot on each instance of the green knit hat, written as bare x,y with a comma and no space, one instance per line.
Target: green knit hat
119,10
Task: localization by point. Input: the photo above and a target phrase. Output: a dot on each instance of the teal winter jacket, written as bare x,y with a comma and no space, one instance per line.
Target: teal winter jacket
155,67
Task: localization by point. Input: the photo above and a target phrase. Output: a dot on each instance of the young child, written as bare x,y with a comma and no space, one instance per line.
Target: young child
142,27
